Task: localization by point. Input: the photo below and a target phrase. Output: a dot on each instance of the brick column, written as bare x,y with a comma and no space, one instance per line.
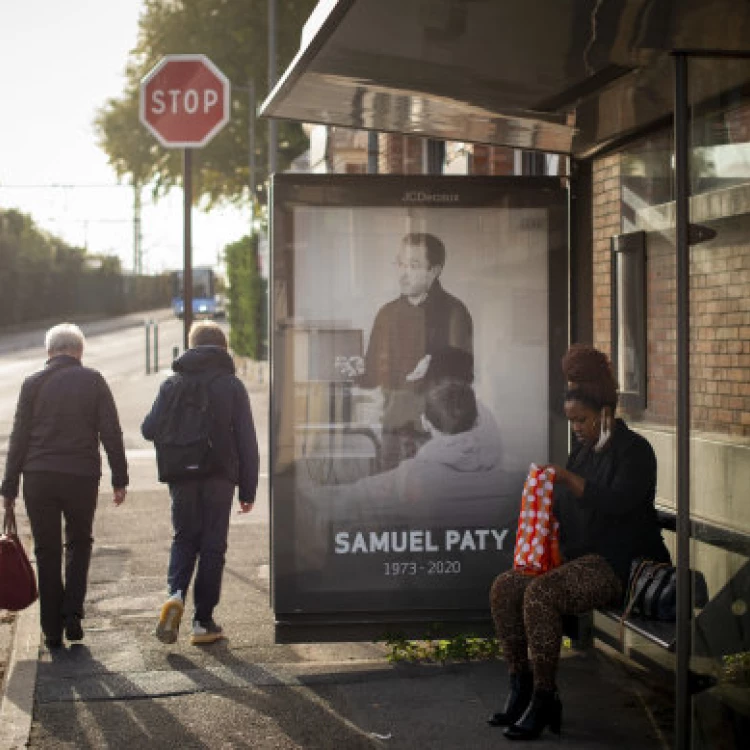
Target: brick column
606,222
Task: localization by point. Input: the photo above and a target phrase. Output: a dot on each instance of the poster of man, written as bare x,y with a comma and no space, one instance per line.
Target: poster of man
422,320
413,328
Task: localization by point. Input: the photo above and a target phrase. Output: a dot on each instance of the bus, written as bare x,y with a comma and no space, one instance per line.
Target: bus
207,303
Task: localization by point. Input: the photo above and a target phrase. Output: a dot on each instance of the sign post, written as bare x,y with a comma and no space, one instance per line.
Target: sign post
185,100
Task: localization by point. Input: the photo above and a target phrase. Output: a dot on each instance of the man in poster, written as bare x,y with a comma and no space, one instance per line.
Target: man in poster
407,331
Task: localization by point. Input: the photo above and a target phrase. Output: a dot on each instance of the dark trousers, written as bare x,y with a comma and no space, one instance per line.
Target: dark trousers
200,519
51,497
528,611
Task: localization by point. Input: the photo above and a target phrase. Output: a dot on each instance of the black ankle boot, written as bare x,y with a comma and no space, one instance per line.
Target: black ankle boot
519,694
545,710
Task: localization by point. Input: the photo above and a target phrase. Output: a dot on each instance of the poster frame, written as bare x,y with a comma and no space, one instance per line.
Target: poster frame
289,191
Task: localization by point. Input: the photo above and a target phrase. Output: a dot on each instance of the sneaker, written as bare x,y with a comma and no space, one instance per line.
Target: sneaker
169,619
206,632
73,629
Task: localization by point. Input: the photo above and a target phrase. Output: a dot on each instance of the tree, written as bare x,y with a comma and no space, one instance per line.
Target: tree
43,277
233,34
247,299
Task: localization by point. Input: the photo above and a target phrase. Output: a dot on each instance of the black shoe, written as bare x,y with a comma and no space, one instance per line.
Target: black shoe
53,642
519,695
73,629
545,710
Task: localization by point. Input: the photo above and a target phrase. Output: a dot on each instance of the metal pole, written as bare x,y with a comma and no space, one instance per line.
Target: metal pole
251,148
683,713
272,131
156,346
147,327
372,152
187,273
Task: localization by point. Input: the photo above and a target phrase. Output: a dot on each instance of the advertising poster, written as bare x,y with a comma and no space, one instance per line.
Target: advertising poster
417,329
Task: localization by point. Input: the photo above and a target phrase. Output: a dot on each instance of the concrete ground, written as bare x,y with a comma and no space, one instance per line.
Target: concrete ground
121,688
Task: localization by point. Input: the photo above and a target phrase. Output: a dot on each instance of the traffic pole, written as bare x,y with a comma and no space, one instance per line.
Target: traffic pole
156,346
147,328
187,274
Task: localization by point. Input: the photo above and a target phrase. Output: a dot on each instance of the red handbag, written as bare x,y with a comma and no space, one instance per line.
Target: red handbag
17,579
537,540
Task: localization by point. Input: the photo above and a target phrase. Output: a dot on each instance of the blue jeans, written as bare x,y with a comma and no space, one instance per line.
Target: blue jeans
200,519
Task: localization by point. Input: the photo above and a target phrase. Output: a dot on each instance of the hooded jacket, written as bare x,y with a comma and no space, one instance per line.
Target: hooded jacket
233,431
454,478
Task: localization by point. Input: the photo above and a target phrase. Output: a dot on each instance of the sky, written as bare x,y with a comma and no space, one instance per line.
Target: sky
61,60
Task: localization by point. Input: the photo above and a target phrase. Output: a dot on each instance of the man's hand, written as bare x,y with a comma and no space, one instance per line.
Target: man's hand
118,497
420,370
350,367
245,507
8,503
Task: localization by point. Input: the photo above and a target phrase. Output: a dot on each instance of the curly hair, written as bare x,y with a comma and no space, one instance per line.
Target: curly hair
589,371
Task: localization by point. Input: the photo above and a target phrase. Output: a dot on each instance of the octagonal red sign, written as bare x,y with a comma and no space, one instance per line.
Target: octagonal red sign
185,101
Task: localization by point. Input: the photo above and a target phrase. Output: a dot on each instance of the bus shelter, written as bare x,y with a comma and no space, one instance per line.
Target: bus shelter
647,237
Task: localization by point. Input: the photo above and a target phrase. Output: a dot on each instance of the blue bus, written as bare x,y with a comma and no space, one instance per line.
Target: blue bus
206,302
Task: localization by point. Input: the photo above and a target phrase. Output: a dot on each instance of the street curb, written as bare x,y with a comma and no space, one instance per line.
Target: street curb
17,704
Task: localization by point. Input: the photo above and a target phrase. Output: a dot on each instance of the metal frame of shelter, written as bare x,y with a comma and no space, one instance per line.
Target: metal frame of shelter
380,104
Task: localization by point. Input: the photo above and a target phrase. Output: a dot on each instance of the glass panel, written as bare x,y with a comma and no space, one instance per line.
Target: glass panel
643,292
415,322
720,398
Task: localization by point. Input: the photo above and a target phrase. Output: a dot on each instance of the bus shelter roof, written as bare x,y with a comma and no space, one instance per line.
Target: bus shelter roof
565,76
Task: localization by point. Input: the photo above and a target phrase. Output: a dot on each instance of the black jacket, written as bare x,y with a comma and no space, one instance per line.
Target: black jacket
63,412
233,431
616,517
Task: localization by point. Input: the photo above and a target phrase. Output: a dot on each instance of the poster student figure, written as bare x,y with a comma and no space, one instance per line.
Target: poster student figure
407,331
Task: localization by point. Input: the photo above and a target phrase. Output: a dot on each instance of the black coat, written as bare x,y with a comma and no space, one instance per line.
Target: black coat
616,517
63,412
233,429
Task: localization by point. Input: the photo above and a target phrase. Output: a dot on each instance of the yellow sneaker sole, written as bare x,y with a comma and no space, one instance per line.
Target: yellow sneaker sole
169,621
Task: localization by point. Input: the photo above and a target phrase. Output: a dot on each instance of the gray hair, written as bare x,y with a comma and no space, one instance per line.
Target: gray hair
65,338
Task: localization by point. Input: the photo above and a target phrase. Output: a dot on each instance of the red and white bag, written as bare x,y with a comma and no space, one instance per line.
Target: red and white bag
537,540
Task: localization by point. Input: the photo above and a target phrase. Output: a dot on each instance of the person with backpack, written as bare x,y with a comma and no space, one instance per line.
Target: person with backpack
202,426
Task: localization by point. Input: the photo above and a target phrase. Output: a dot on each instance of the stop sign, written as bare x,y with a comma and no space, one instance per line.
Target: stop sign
185,101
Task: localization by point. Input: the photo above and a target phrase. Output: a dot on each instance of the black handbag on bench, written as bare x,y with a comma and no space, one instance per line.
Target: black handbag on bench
652,590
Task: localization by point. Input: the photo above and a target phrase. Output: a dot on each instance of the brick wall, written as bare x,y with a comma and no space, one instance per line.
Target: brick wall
491,160
719,306
399,154
720,334
606,222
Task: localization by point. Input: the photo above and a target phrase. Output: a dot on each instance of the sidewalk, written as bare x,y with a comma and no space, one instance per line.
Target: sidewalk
121,688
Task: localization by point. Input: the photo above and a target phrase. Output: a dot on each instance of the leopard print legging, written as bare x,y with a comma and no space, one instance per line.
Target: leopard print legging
528,611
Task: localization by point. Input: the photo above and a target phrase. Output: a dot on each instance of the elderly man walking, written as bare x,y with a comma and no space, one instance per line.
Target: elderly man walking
63,413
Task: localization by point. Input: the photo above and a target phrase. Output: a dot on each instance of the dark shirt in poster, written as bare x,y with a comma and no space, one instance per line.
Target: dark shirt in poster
402,335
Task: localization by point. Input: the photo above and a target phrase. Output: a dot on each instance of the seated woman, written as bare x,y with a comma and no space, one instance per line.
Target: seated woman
604,501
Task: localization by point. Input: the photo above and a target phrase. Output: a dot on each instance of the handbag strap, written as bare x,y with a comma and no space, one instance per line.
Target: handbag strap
9,522
633,594
636,588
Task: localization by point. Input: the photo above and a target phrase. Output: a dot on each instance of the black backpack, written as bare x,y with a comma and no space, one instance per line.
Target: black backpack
184,444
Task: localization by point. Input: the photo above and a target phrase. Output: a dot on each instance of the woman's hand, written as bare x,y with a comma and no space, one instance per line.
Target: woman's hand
575,483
